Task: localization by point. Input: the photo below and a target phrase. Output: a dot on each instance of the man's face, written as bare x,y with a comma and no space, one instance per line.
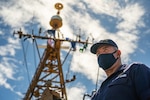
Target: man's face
106,49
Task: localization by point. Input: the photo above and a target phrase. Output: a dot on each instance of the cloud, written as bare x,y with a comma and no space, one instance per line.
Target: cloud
8,63
9,49
7,71
6,68
127,35
131,17
107,7
1,33
25,11
86,64
76,92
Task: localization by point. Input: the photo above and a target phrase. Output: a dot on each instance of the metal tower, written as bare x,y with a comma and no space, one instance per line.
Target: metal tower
48,81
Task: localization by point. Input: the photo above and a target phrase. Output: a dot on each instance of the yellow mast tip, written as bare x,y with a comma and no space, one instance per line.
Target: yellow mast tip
59,6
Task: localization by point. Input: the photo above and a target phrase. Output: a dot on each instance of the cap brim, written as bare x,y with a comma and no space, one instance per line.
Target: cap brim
95,47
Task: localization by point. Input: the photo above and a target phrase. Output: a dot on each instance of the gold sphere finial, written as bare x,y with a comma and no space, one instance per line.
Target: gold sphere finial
59,6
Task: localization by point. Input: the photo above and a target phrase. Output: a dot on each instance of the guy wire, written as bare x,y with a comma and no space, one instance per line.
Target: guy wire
34,54
97,79
25,61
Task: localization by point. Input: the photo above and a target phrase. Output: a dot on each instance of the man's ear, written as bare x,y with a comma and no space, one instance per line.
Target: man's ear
119,53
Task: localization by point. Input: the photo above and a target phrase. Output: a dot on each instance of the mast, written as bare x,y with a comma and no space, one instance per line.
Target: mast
48,81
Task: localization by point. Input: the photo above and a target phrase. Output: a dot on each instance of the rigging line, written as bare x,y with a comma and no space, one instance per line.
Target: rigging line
25,60
67,74
37,48
34,54
26,47
66,56
64,61
97,79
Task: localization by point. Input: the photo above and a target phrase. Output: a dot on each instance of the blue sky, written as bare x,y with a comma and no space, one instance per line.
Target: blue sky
125,21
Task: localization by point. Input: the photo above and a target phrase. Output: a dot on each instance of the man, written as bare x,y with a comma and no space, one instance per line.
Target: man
124,82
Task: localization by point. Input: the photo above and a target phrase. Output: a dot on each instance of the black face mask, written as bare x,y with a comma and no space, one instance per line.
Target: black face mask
105,61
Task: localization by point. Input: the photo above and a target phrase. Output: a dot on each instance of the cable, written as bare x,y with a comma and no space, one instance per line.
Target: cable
66,56
97,79
37,48
34,54
25,60
65,60
68,71
26,47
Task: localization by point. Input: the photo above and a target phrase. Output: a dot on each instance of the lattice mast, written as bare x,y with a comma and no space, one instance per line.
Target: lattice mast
48,81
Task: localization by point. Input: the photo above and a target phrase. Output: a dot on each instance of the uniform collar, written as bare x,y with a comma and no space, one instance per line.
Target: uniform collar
122,67
118,71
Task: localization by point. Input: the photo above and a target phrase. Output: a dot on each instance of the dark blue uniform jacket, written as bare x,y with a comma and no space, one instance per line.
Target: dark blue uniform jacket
132,83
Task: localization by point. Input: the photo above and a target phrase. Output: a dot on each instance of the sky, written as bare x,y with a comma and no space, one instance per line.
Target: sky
127,22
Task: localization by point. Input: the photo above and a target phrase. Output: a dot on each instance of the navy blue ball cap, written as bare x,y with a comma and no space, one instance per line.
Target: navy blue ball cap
95,46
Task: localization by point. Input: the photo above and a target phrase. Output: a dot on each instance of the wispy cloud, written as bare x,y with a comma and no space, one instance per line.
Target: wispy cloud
7,71
131,17
8,62
86,64
76,92
1,33
9,49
